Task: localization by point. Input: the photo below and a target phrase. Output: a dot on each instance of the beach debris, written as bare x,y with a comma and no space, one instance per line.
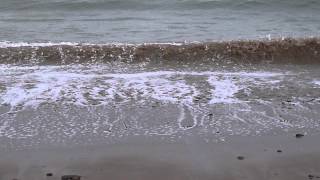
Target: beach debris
49,174
279,151
124,124
240,158
197,98
299,135
310,176
70,177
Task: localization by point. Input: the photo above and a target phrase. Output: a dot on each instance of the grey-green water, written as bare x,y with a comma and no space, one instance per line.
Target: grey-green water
156,20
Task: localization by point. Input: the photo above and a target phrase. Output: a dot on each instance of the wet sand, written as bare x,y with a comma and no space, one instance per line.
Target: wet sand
192,158
255,123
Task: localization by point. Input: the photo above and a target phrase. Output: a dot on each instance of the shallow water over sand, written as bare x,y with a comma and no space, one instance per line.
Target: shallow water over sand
77,105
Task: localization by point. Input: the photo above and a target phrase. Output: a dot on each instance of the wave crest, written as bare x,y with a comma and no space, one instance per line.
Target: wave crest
301,51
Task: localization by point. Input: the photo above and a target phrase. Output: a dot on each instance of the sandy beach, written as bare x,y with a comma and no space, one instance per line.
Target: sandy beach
253,123
280,157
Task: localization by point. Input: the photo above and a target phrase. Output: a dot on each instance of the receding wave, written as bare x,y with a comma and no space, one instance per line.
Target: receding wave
296,51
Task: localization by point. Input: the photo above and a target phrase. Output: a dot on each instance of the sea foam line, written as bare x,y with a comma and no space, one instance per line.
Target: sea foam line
36,86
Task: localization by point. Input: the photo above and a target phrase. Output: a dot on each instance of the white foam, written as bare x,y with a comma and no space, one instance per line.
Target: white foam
316,82
224,90
204,73
31,86
7,44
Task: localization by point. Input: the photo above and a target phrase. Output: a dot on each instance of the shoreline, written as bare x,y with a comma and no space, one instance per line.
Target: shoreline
152,122
266,157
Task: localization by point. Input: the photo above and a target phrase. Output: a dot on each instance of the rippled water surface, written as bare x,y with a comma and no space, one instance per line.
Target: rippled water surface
156,21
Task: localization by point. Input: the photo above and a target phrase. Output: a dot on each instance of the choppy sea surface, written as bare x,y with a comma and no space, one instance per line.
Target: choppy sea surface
137,21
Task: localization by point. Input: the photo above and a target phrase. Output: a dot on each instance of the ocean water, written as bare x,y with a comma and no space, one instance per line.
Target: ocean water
139,21
85,71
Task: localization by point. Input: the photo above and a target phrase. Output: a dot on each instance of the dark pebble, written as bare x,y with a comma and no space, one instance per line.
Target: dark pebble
49,174
299,135
70,177
240,158
279,151
310,176
210,114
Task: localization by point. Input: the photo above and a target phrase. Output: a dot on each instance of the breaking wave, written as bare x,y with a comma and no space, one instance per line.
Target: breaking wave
300,51
282,51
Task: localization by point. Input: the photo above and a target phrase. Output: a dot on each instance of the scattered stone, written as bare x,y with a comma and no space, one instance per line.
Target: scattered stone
11,113
49,174
197,99
210,114
189,126
279,151
310,100
240,158
310,176
124,124
70,177
299,135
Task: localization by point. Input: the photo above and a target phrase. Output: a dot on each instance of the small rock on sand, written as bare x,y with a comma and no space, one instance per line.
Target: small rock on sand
299,135
240,158
70,177
310,176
